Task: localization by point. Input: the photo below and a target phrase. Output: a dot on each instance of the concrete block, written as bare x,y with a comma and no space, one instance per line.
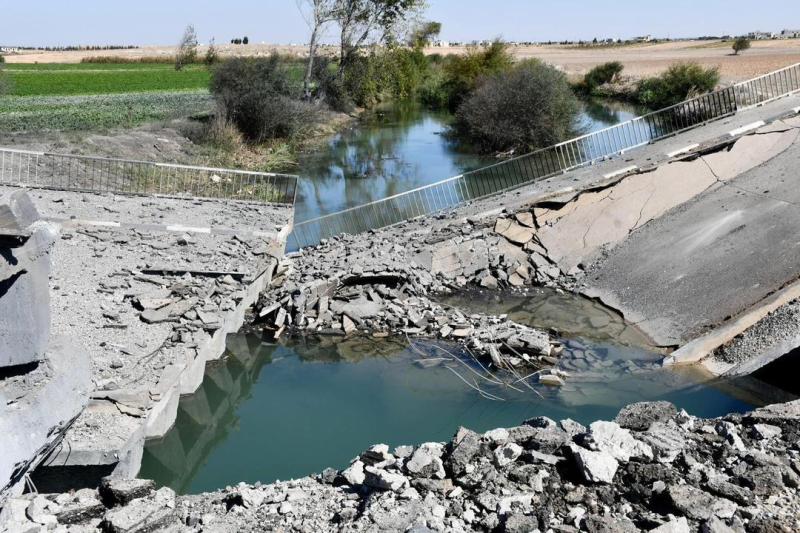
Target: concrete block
25,297
17,213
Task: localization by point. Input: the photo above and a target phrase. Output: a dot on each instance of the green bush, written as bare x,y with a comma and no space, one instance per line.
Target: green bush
388,73
258,96
464,73
677,83
528,107
741,44
602,74
432,92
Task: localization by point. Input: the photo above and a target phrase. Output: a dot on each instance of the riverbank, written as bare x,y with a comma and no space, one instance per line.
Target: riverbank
652,469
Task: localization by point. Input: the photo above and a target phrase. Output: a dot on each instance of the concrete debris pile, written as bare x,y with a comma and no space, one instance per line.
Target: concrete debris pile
374,286
652,469
151,308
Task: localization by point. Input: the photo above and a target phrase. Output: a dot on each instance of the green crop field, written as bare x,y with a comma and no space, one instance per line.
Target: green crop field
97,96
85,79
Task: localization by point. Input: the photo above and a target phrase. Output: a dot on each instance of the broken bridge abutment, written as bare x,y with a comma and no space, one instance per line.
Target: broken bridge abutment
148,288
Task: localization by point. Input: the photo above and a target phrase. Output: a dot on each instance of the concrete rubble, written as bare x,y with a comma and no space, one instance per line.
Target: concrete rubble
653,469
149,302
380,285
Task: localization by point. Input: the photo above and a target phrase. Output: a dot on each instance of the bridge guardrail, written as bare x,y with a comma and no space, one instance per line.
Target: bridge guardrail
122,176
550,161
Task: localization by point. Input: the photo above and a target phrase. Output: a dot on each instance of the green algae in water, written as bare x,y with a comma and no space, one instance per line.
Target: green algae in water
279,412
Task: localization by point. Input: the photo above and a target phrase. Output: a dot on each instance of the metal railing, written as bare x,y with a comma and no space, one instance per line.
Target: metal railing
120,176
549,161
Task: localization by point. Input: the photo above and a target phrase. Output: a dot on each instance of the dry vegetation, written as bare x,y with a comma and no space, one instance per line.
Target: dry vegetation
639,60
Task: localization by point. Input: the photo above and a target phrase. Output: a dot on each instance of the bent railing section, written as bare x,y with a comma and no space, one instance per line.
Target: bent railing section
549,161
120,176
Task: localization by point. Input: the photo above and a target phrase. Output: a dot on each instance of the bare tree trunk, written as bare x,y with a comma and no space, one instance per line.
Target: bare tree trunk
312,52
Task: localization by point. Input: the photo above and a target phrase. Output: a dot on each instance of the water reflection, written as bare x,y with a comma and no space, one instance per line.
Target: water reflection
399,147
393,149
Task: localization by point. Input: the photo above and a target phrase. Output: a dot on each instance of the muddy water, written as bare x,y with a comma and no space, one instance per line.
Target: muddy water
549,309
270,412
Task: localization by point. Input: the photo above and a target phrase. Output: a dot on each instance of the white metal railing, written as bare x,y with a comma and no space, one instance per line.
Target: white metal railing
550,161
122,176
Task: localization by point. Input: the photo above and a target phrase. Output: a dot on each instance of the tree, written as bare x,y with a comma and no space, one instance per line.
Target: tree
527,107
361,20
318,13
246,40
5,85
740,45
187,49
424,33
212,54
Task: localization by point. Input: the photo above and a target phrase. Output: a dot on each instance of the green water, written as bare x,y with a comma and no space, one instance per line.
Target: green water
269,412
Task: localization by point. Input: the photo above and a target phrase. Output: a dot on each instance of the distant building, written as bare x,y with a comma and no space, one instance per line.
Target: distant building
760,35
643,39
8,50
789,34
441,44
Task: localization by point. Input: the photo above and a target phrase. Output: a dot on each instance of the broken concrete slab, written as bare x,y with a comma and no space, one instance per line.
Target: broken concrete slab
513,231
17,213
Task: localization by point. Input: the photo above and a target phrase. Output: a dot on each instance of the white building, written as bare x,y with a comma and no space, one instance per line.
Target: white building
760,35
790,34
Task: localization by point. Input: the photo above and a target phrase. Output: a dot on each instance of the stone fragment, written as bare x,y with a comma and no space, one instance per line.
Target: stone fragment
513,231
596,467
715,525
676,525
381,479
465,446
348,325
699,505
618,442
639,416
17,213
426,461
42,511
526,219
120,491
376,454
354,474
506,454
551,380
251,498
520,523
140,516
767,431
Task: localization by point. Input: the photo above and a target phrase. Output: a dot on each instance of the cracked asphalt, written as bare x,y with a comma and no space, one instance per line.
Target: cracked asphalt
716,255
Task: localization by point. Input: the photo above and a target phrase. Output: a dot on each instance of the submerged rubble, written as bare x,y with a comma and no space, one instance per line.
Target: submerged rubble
652,469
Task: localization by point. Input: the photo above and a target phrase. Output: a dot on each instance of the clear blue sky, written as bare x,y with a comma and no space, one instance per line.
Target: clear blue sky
61,22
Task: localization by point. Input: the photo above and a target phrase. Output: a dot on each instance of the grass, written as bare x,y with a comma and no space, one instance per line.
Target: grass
86,112
88,79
